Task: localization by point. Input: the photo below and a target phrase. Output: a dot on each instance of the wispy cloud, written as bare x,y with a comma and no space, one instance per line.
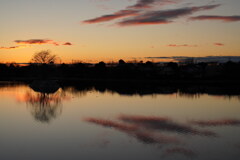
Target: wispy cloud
218,44
109,17
220,59
163,16
217,18
141,4
67,44
12,47
146,12
131,11
181,45
41,42
221,122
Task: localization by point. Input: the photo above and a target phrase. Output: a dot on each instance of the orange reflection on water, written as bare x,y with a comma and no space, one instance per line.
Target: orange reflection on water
42,106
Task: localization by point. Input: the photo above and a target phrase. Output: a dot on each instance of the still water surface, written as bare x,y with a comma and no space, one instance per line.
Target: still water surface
73,124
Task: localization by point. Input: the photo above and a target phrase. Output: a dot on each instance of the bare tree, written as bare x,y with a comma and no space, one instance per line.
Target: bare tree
44,57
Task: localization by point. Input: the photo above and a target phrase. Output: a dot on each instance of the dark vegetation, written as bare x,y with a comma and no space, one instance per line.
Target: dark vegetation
43,67
122,71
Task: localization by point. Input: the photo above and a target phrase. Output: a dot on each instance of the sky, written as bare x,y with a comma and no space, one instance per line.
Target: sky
108,30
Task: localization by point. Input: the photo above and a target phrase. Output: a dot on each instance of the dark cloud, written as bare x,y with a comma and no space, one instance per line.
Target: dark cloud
219,59
36,41
163,16
116,15
217,18
151,3
133,10
138,14
143,4
40,42
223,122
67,44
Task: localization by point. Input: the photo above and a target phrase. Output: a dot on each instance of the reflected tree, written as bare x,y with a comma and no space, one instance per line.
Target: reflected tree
44,106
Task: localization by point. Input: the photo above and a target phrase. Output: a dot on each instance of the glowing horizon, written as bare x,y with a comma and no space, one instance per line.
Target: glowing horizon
96,30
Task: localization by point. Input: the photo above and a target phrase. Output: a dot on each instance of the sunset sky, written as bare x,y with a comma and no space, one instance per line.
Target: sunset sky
92,30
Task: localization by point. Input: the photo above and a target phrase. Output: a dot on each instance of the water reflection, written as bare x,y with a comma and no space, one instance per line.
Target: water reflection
169,135
141,134
46,102
44,106
188,91
181,128
164,124
148,129
179,150
152,130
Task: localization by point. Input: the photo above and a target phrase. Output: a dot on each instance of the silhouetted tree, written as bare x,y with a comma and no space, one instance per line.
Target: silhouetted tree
100,65
149,64
44,57
121,62
173,65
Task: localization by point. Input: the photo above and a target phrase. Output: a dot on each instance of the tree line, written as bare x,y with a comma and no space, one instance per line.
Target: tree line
43,66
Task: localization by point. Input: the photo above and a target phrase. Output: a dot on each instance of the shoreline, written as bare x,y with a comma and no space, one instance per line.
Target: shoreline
228,82
140,87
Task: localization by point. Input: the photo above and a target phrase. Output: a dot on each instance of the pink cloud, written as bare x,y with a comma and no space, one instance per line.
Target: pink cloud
116,15
218,44
222,122
67,44
41,42
13,47
217,18
181,45
163,16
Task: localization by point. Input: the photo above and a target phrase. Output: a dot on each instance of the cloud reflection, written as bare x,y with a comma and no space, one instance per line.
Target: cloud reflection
147,137
150,130
179,150
164,124
153,130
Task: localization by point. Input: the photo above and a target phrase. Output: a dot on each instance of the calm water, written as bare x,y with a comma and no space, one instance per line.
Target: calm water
93,124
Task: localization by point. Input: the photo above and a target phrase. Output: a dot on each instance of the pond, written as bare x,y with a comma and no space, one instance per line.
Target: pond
92,123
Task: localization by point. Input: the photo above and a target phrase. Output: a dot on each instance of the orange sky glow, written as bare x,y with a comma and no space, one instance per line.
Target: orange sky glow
96,30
